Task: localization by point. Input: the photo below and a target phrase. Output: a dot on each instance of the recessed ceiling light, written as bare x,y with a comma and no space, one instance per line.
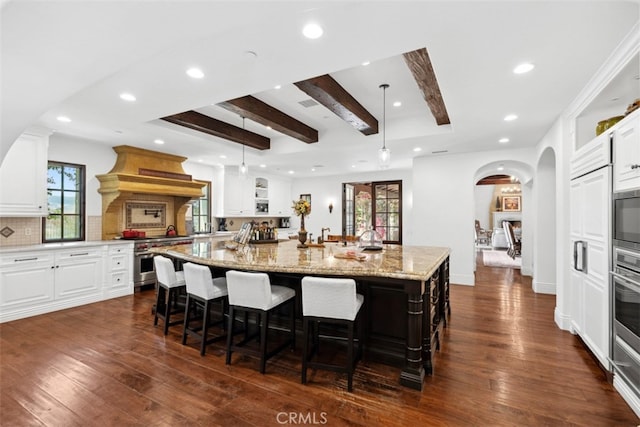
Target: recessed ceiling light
397,104
263,165
365,63
312,31
353,166
313,169
291,172
158,141
503,140
277,87
523,68
500,168
195,73
127,97
417,149
510,117
268,127
222,156
64,119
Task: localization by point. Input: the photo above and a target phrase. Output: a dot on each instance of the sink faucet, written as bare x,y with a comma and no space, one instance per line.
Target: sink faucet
321,238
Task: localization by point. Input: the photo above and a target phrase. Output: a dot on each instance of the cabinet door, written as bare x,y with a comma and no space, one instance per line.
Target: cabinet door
595,331
281,200
626,146
119,274
78,273
26,281
238,196
25,163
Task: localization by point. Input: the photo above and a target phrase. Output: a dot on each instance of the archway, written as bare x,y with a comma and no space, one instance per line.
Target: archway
523,173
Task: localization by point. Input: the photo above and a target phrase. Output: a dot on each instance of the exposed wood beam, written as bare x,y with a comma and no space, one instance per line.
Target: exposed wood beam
420,65
200,122
329,93
497,179
260,112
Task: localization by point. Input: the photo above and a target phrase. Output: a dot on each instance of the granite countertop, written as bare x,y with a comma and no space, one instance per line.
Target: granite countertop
394,261
65,245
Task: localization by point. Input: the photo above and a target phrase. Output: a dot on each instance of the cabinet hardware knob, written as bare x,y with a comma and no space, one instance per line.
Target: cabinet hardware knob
635,166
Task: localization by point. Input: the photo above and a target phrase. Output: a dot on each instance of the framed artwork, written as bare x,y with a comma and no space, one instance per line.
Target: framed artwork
511,203
244,234
306,197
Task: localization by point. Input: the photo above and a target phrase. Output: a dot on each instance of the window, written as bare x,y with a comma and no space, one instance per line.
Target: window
66,203
200,211
373,204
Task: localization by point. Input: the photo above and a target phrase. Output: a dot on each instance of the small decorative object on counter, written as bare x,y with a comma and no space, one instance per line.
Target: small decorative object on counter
370,240
301,208
171,231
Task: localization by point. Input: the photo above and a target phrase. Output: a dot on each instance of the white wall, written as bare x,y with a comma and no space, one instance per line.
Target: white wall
483,195
444,204
329,188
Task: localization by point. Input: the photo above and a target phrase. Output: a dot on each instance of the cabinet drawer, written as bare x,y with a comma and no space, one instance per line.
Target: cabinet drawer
119,249
24,259
118,279
79,253
119,262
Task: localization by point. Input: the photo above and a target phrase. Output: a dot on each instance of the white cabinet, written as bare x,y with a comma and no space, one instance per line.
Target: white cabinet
45,280
626,148
238,196
26,281
280,198
261,192
23,174
118,271
78,273
590,245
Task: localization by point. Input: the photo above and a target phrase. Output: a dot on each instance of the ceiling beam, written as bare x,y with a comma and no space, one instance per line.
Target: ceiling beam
420,66
328,92
202,123
260,112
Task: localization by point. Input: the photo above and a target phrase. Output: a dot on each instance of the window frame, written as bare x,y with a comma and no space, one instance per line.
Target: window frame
206,197
81,194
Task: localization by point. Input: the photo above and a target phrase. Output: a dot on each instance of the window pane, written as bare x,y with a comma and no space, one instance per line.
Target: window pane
394,205
381,191
381,219
70,177
394,233
195,209
54,177
53,230
71,227
204,207
381,205
54,201
383,232
394,219
71,201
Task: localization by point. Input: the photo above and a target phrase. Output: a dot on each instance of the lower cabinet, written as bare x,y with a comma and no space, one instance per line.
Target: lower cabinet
46,280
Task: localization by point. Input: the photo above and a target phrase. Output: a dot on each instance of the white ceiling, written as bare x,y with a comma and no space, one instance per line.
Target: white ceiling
74,59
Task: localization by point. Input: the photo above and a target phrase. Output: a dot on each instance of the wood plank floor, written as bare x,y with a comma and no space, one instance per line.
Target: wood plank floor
502,362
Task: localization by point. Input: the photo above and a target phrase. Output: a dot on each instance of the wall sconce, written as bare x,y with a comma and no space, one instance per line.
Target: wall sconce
330,207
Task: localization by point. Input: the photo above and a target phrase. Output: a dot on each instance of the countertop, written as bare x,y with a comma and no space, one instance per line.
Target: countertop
394,261
65,245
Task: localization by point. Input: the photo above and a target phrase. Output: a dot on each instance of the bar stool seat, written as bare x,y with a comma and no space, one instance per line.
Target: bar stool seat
334,301
202,291
253,293
170,284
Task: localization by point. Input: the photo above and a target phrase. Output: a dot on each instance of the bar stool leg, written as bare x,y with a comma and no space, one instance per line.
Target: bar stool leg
305,349
187,315
264,322
167,310
205,327
230,334
350,358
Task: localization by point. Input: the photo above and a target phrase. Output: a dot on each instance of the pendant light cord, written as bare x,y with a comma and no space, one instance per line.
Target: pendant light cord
384,87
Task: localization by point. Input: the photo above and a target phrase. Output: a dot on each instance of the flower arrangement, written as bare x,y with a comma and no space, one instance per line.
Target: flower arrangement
301,207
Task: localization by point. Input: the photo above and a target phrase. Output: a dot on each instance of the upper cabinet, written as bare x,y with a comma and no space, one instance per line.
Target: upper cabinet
626,151
262,196
238,196
255,196
24,172
280,199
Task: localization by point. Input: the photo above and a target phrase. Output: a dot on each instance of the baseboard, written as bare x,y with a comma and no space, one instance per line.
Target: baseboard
462,279
627,393
543,288
526,271
562,320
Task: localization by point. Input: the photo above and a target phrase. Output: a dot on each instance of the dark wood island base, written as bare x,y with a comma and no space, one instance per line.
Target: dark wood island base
405,288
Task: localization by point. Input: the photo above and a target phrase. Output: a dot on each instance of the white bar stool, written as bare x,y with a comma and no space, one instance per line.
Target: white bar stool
253,293
329,300
202,291
170,282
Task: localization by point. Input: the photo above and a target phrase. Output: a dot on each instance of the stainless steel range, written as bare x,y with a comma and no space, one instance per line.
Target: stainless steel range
143,270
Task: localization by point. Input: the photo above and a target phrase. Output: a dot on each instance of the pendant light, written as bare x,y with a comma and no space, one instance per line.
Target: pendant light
384,154
243,170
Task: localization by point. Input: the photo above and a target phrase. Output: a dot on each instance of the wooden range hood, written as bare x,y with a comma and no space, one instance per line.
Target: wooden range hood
140,174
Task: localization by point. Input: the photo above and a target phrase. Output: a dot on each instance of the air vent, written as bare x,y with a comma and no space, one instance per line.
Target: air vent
440,152
308,103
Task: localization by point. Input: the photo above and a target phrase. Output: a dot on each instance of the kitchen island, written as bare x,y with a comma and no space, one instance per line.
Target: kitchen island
406,290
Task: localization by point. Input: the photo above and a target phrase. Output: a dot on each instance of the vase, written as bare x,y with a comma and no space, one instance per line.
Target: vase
302,237
302,223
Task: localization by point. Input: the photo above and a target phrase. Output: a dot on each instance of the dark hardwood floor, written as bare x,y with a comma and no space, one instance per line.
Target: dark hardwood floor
502,361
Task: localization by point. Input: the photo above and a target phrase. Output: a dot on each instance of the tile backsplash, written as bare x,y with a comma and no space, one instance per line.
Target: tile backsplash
28,231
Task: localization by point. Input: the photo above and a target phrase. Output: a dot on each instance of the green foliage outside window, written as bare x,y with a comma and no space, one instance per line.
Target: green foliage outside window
65,199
